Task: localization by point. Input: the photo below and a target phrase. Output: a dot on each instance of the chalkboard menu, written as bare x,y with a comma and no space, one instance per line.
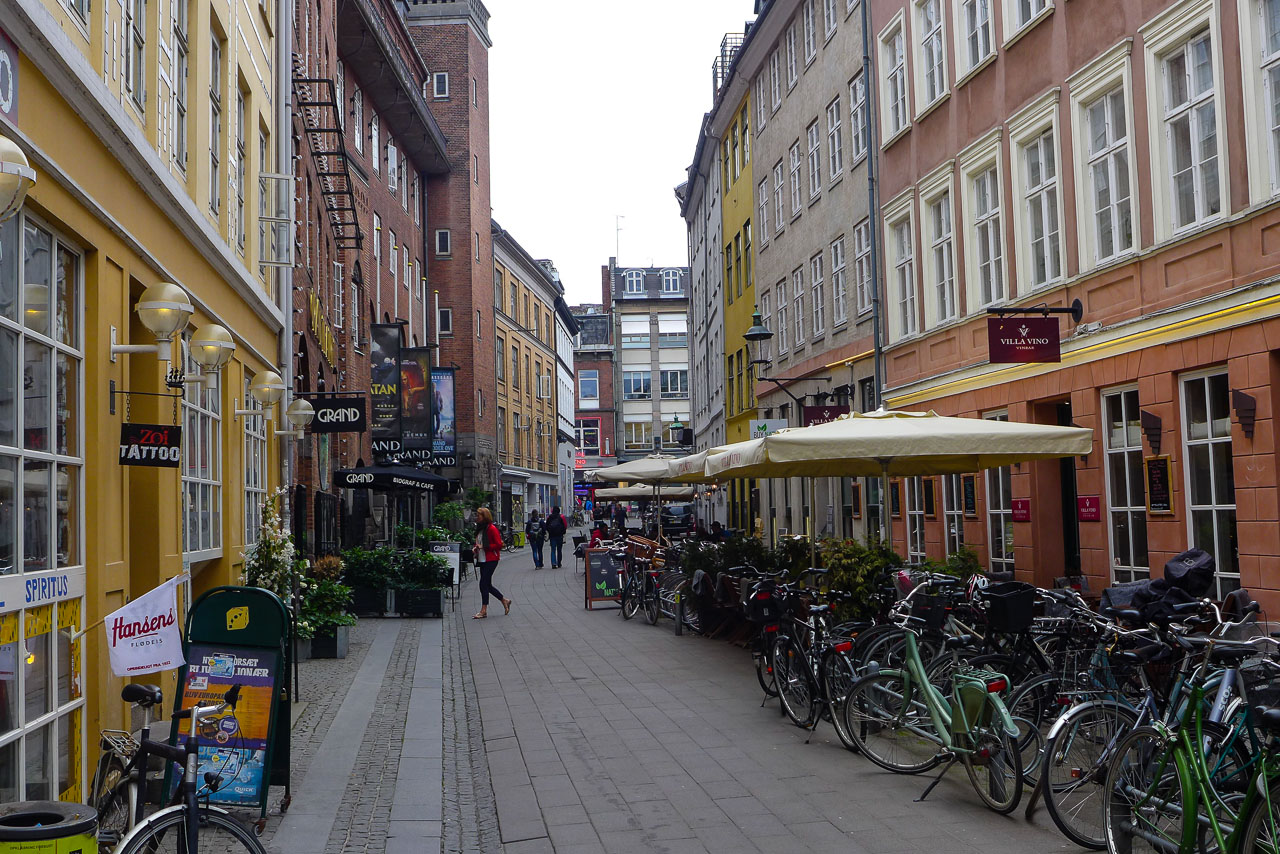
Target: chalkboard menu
969,486
895,499
1159,485
855,499
930,505
604,577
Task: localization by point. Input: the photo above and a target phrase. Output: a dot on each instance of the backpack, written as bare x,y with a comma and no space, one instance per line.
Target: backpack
556,526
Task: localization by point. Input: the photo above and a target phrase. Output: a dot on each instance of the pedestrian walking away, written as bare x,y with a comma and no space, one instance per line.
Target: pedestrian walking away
489,544
556,527
620,519
536,533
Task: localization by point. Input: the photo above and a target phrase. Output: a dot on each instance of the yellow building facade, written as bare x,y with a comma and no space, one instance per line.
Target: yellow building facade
150,127
739,286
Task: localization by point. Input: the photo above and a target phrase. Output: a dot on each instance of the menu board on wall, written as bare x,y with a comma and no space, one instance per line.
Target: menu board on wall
1159,485
969,487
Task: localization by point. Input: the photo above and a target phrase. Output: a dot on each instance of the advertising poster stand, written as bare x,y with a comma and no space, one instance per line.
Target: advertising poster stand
240,635
603,578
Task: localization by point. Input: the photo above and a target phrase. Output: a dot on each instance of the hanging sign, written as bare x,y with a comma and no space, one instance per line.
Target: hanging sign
1023,339
384,385
151,445
143,636
761,427
822,414
338,415
416,395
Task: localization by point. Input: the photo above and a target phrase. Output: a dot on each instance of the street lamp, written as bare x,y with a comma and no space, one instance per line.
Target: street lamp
16,178
211,348
299,414
164,309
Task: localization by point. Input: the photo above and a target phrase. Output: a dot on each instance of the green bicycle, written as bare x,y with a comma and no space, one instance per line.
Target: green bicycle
903,723
1183,788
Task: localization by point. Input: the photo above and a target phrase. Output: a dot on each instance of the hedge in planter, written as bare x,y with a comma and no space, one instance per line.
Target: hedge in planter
368,573
325,618
419,579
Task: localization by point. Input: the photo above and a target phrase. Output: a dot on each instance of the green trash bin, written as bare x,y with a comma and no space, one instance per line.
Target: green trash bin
48,827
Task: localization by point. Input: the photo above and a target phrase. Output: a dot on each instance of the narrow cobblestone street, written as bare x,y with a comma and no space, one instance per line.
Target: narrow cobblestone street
573,731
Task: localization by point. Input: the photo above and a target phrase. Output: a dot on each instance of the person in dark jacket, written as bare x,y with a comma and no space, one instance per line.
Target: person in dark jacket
557,526
535,532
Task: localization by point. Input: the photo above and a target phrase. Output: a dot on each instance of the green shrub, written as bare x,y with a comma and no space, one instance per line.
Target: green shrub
447,514
857,568
324,608
419,570
367,567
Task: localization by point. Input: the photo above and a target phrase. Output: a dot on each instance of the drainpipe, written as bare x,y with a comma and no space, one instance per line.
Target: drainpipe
283,275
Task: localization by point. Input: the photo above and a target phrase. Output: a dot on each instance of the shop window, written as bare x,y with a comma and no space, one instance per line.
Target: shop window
915,520
201,468
1211,487
1126,489
41,511
1000,512
953,511
255,467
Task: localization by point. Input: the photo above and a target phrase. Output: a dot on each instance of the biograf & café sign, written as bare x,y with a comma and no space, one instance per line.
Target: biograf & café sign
1017,340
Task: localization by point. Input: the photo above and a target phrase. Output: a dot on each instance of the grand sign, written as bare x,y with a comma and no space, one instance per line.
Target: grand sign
1023,339
339,415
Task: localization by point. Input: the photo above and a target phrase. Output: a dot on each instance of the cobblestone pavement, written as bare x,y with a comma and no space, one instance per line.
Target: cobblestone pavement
604,735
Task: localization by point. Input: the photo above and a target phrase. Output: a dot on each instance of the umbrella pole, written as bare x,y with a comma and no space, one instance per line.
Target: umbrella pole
884,503
657,503
813,525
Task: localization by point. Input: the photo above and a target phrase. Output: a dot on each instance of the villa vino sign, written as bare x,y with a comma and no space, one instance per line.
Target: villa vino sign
1023,339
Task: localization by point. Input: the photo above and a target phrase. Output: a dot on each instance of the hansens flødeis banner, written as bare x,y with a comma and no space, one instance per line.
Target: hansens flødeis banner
144,636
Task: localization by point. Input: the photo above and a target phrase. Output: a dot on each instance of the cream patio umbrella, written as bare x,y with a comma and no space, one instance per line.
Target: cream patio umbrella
663,493
888,443
654,468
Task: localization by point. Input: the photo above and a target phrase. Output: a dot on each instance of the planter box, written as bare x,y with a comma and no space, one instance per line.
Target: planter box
369,601
334,646
420,603
301,649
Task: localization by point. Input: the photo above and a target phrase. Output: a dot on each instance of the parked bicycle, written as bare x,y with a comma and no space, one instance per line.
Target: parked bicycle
189,824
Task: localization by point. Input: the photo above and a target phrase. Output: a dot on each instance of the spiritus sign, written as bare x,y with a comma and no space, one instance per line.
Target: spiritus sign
1023,339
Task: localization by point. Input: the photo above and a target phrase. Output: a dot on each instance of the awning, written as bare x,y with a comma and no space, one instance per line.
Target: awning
389,478
646,493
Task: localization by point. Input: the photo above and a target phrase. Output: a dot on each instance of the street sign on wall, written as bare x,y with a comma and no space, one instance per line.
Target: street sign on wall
822,414
761,427
1023,339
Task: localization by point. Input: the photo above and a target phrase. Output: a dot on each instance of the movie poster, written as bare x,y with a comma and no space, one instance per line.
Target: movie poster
233,745
384,381
416,396
443,414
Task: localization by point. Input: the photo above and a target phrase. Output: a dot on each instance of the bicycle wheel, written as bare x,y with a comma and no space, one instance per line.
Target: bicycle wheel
652,607
838,677
795,685
994,767
1034,707
219,834
1075,766
1143,796
890,725
111,798
630,600
764,664
1262,826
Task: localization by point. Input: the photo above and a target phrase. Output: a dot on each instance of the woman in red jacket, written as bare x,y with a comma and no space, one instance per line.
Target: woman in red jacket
488,544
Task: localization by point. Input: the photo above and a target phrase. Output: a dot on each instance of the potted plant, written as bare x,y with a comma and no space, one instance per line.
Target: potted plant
368,573
270,564
325,617
419,579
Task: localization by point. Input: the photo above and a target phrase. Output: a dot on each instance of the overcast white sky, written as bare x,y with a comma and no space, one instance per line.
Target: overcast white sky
595,107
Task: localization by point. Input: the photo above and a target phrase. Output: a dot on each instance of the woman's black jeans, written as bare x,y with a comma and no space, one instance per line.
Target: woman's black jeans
486,582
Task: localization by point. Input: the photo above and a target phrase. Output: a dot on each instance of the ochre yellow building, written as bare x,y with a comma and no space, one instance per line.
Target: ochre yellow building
739,283
148,125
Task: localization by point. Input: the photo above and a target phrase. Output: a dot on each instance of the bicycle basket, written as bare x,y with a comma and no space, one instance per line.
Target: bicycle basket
931,609
1010,606
971,687
763,606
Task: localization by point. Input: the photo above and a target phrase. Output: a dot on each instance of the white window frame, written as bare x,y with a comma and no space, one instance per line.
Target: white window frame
1173,29
444,242
762,106
1214,507
783,334
979,161
779,197
375,152
1035,129
1260,67
637,384
810,31
835,142
1121,491
895,106
818,297
135,57
671,284
775,79
797,306
953,513
181,57
633,282
797,201
357,119
814,159
1109,73
765,200
766,316
975,39
588,401
999,479
1021,16
862,265
858,116
930,55
902,288
792,70
829,18
440,85
839,283
255,466
201,439
215,122
393,163
913,487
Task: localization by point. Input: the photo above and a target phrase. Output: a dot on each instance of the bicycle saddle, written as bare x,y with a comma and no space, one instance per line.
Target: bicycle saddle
143,695
1268,718
959,641
819,609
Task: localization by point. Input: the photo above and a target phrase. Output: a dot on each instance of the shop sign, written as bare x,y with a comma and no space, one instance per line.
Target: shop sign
157,445
1159,484
321,329
8,78
452,553
761,427
1021,508
338,415
579,460
822,414
29,590
1088,508
145,636
1023,339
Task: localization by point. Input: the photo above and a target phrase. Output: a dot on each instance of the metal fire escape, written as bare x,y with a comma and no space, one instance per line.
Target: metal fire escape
316,105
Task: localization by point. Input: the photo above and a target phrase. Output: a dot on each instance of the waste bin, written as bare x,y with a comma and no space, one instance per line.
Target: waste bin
48,827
